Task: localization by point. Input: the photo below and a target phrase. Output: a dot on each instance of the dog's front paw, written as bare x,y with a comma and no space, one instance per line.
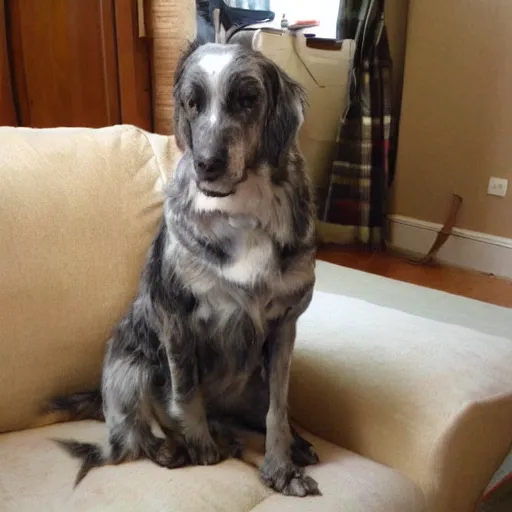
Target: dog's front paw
203,453
287,478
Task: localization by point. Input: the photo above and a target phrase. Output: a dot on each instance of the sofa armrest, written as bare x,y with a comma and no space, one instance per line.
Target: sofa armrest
430,399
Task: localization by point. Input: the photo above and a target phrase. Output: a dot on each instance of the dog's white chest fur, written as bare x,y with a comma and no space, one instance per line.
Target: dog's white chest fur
253,258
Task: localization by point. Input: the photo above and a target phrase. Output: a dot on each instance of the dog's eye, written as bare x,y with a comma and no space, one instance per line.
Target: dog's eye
247,100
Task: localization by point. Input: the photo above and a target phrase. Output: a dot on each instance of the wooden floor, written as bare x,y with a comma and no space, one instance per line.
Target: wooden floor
452,280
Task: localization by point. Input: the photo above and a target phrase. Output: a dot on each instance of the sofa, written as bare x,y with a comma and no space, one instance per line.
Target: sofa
409,412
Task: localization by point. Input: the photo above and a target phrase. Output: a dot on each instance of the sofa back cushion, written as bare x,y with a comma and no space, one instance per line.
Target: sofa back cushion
78,211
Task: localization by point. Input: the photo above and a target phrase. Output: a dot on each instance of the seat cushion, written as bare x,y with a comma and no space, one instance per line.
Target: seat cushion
35,474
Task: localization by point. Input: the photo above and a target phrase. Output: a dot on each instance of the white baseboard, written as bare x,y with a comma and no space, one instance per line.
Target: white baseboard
468,249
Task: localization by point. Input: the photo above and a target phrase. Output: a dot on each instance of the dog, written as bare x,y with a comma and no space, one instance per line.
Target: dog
206,346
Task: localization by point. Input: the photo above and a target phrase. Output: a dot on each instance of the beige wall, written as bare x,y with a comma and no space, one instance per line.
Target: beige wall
456,123
396,24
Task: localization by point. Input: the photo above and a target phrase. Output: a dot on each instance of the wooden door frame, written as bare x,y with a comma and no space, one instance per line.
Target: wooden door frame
134,63
8,115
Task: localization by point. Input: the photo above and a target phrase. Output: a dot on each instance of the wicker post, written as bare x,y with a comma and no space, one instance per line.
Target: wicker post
173,24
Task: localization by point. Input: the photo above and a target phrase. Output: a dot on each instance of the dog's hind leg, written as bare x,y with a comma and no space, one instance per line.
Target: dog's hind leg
129,439
129,414
127,411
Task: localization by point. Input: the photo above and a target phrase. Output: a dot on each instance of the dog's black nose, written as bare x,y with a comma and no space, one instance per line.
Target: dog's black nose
210,168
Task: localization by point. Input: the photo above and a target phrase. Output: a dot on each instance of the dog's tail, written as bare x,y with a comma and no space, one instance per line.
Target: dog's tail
78,406
90,454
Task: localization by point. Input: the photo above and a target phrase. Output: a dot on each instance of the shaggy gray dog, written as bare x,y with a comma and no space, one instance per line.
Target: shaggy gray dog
206,346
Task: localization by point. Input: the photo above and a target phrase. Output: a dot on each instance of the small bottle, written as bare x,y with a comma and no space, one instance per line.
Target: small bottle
284,22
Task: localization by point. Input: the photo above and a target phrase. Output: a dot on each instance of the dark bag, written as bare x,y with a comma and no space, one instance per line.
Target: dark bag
237,17
232,19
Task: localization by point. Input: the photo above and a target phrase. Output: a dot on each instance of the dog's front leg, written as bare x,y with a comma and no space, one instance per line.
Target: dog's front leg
186,407
278,470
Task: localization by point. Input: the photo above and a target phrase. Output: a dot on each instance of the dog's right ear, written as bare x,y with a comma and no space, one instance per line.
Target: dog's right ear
189,49
182,133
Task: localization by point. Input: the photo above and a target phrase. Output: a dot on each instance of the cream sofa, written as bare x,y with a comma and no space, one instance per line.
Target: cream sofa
424,407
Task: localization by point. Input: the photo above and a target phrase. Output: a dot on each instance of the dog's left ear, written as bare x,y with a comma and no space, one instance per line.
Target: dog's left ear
285,114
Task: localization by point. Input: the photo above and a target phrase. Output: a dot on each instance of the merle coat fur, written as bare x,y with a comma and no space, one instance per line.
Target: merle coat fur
206,346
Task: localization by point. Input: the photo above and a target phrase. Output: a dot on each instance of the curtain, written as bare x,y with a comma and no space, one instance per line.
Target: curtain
356,205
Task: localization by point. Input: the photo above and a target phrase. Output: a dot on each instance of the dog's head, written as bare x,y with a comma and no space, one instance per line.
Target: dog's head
234,110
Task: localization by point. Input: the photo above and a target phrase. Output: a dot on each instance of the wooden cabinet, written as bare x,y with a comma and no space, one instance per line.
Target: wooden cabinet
73,63
7,109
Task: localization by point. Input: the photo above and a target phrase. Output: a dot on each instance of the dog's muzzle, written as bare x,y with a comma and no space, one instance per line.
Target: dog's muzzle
211,174
210,169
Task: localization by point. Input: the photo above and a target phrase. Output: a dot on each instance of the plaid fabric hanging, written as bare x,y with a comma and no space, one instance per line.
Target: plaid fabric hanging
356,204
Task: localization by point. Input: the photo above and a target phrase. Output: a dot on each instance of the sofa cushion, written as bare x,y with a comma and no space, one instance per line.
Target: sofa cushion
78,211
35,474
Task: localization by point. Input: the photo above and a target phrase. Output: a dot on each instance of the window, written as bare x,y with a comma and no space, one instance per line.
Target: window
324,11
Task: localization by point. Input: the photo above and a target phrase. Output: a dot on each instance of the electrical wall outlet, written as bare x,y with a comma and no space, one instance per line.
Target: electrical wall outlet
497,187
